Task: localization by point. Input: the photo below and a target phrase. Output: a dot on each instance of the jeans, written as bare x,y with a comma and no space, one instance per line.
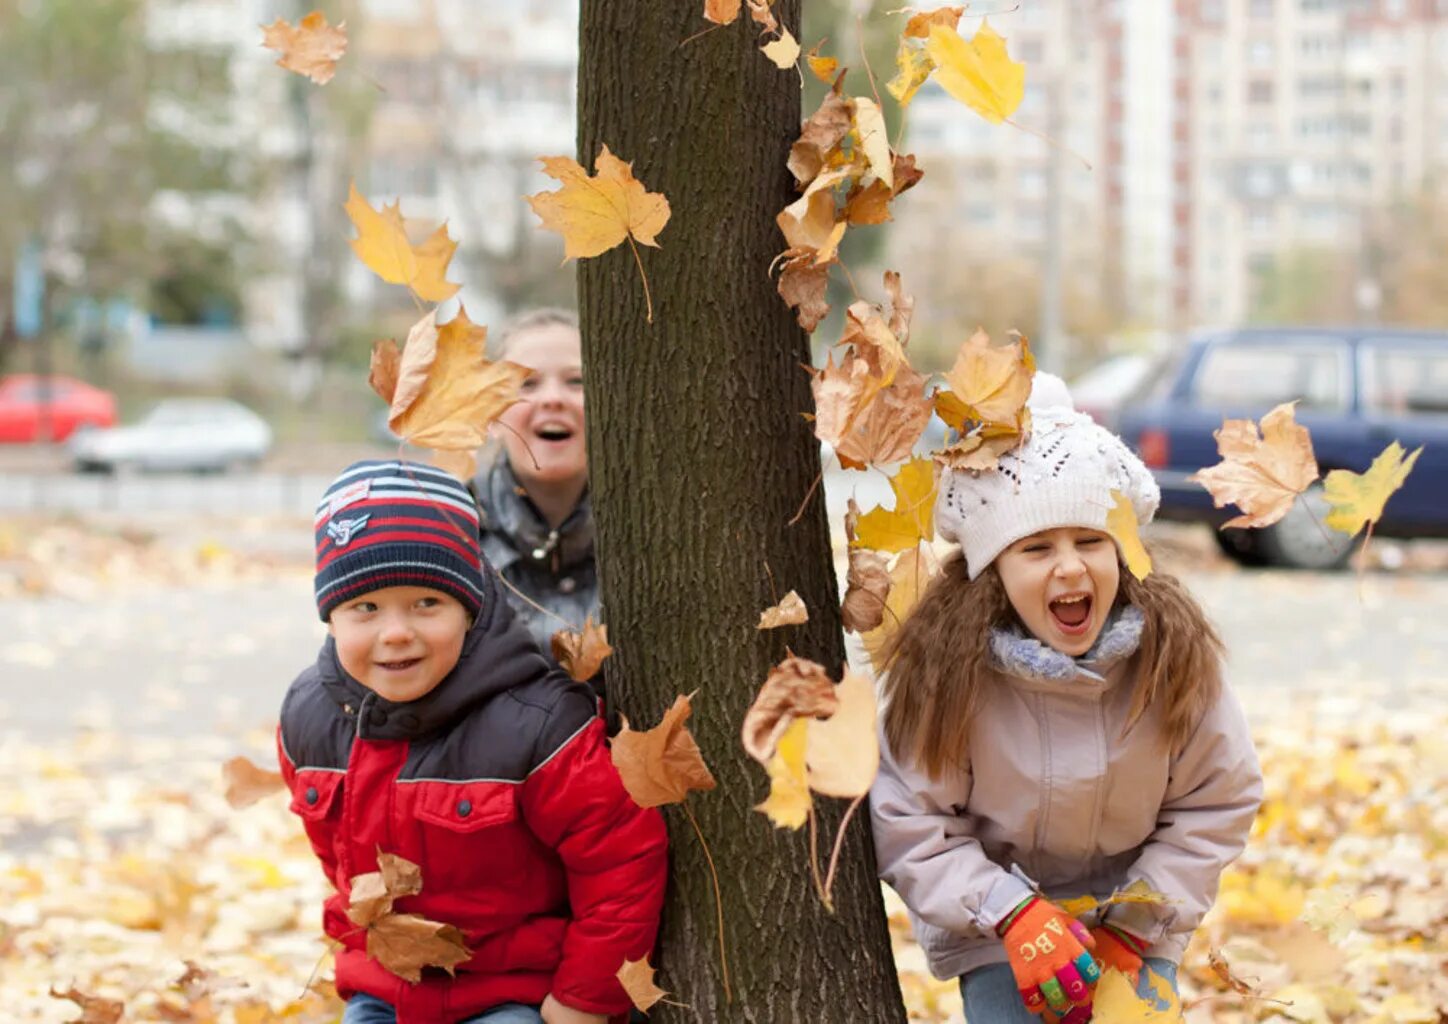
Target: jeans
365,1009
991,996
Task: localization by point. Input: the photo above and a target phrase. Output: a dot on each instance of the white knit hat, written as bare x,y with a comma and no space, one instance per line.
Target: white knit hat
1062,476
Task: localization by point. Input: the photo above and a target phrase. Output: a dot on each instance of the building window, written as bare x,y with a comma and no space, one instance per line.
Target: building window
1262,8
1259,91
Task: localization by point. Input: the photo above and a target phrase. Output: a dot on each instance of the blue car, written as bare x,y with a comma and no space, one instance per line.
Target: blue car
1357,390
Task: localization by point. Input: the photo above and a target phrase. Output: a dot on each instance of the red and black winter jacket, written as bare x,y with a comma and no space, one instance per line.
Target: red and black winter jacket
499,785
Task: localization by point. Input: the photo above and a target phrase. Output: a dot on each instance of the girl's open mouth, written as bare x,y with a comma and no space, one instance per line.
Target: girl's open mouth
1072,613
398,666
553,433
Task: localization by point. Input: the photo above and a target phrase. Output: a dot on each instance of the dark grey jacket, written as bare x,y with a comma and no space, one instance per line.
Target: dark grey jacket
554,568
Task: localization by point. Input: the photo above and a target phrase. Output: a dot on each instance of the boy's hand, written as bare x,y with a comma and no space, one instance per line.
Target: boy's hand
555,1012
1119,949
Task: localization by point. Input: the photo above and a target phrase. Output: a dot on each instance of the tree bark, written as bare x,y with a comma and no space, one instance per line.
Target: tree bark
699,457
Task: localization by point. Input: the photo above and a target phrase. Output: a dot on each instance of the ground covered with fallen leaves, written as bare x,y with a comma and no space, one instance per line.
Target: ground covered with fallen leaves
122,863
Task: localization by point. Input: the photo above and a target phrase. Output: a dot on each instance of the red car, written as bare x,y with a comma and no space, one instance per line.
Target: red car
25,407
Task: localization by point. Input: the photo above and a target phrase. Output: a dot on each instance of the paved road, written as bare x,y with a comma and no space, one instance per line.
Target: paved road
173,662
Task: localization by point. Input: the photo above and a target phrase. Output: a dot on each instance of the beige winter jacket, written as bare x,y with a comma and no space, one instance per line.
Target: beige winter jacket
1054,794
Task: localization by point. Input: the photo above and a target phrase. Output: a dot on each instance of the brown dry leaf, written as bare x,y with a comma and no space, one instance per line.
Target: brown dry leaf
382,245
795,688
371,895
821,134
407,943
596,212
920,21
907,175
803,284
582,654
992,382
722,12
637,979
790,611
461,393
868,581
662,764
246,783
824,68
763,16
868,330
809,222
842,752
887,429
311,47
1261,475
902,306
909,577
1223,970
980,450
94,1009
839,392
869,204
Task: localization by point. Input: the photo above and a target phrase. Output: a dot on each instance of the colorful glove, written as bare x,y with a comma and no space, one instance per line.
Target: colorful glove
1048,952
1076,1015
1119,949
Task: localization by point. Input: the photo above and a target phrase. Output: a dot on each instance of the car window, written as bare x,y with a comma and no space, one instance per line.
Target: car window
1267,375
1406,380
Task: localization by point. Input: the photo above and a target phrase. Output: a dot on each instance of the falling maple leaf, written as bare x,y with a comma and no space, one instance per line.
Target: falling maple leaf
662,764
867,581
445,392
909,576
372,894
1121,524
913,517
94,1009
596,212
1261,475
1223,971
979,73
788,804
246,783
890,425
382,245
795,688
820,136
842,752
405,944
1115,1001
763,15
991,383
869,127
581,654
824,68
311,47
637,979
782,52
1137,892
839,392
790,611
803,284
722,12
1357,500
978,451
809,222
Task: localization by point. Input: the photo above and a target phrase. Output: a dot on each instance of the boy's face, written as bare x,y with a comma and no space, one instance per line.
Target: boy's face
1062,583
399,642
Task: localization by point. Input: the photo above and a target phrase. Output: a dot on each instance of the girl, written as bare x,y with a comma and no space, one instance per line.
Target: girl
1055,728
537,524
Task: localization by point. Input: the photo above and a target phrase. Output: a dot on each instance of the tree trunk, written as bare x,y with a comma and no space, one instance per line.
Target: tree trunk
698,459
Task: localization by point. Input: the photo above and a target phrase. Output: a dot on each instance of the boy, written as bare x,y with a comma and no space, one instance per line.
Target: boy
430,727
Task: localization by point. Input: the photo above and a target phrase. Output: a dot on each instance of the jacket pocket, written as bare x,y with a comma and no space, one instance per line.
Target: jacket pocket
472,833
316,794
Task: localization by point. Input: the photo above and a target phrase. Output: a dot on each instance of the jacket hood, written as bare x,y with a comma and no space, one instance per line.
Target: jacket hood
508,511
498,654
1028,661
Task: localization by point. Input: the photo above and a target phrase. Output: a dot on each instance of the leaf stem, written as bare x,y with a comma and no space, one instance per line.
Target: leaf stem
648,300
805,504
718,899
1049,141
814,857
865,58
839,845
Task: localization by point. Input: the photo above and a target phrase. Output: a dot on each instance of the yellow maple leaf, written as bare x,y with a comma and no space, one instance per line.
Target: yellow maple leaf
1115,1000
1261,475
596,212
979,73
909,577
874,141
452,391
842,752
913,67
382,244
782,52
1121,523
1358,499
788,803
992,383
824,68
311,47
913,517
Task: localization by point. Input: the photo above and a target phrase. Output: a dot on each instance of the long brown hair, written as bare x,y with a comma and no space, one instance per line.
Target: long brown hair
938,661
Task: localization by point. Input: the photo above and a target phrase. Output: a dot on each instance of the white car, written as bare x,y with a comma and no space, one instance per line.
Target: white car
195,434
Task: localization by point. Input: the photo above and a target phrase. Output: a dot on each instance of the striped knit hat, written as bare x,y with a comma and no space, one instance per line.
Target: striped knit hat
397,524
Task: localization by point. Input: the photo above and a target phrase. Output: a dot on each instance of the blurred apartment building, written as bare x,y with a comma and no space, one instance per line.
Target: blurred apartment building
1223,135
444,105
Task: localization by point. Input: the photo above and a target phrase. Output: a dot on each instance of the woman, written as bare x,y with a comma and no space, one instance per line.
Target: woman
537,529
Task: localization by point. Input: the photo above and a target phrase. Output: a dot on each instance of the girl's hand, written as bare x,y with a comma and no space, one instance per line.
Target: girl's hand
555,1012
1119,949
1049,954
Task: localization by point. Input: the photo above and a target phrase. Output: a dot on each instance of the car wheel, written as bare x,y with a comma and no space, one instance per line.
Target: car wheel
1240,546
1301,540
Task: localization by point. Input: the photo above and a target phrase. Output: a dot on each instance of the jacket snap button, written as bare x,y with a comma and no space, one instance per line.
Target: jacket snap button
311,794
465,807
